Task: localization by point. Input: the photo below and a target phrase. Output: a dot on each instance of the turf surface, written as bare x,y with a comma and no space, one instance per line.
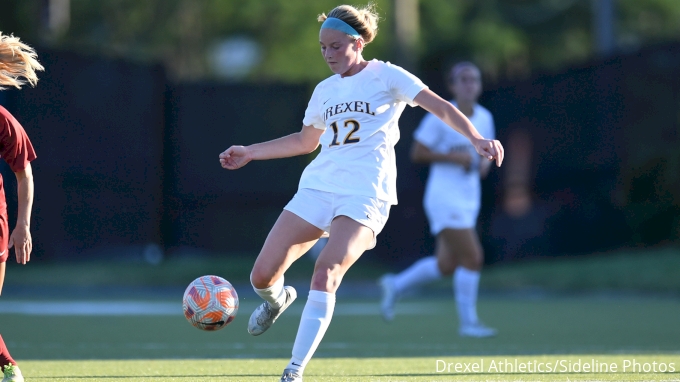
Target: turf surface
355,369
358,345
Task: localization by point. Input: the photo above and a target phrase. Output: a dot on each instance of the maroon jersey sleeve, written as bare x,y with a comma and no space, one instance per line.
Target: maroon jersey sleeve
15,147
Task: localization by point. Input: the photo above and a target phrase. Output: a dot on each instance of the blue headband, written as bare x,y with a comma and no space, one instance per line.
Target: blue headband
337,24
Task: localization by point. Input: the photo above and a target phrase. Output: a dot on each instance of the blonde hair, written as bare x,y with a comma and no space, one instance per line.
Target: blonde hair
18,63
363,20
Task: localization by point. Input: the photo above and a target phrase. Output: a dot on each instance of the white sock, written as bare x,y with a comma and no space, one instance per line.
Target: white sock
422,271
274,295
466,285
315,320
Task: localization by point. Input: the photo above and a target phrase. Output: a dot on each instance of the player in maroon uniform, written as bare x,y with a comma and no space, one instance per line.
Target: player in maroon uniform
18,64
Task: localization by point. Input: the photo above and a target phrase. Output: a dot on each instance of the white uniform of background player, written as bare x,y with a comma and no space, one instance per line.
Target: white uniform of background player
350,186
453,192
452,201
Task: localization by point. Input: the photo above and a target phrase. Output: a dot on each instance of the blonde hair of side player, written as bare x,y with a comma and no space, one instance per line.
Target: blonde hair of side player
350,125
18,63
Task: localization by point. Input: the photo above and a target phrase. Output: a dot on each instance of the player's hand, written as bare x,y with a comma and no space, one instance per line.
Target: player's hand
490,149
235,157
462,158
21,240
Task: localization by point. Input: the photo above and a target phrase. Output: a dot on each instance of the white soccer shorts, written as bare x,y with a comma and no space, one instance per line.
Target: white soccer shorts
441,217
319,208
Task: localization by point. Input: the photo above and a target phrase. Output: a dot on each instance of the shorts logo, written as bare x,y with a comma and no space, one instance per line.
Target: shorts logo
372,218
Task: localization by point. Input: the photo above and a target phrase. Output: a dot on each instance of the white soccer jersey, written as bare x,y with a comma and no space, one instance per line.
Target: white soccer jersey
449,185
360,116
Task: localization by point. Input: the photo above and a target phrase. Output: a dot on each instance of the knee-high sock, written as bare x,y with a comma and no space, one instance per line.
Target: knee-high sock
5,358
466,285
274,294
315,320
422,271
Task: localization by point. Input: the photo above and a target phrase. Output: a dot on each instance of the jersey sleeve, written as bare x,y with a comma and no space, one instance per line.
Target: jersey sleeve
15,147
403,85
428,133
312,114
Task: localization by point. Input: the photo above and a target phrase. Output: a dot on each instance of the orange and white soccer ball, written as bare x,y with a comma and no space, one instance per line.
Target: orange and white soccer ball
210,303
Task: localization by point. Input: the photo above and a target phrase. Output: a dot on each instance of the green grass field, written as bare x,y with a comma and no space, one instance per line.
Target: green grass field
343,369
617,309
563,332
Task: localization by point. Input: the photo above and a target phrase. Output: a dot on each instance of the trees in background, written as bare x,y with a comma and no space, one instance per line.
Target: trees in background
508,38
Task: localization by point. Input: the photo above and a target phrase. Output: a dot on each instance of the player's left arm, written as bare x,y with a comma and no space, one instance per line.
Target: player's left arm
20,238
488,148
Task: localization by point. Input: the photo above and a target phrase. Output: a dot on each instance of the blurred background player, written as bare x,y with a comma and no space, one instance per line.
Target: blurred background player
18,64
348,188
452,201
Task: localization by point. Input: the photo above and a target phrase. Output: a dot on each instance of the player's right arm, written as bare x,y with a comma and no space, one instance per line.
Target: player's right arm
423,155
20,238
302,142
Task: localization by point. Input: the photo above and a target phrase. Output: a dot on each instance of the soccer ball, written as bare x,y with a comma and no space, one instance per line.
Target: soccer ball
210,303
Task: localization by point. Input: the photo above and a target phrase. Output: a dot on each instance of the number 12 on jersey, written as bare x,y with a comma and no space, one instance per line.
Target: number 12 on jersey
349,138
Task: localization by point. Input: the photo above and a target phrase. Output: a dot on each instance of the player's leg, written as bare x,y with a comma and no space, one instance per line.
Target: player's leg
7,365
2,275
5,357
465,247
348,240
446,259
425,270
4,251
422,271
288,240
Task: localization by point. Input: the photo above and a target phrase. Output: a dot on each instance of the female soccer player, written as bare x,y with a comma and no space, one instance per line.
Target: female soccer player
452,201
18,64
347,190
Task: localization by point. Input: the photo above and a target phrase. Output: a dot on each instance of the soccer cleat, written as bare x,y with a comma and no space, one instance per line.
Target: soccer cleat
290,375
389,297
12,374
477,330
264,316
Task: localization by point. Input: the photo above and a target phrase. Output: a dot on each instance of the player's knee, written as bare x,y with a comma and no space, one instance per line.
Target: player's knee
327,278
260,279
479,264
474,264
446,267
